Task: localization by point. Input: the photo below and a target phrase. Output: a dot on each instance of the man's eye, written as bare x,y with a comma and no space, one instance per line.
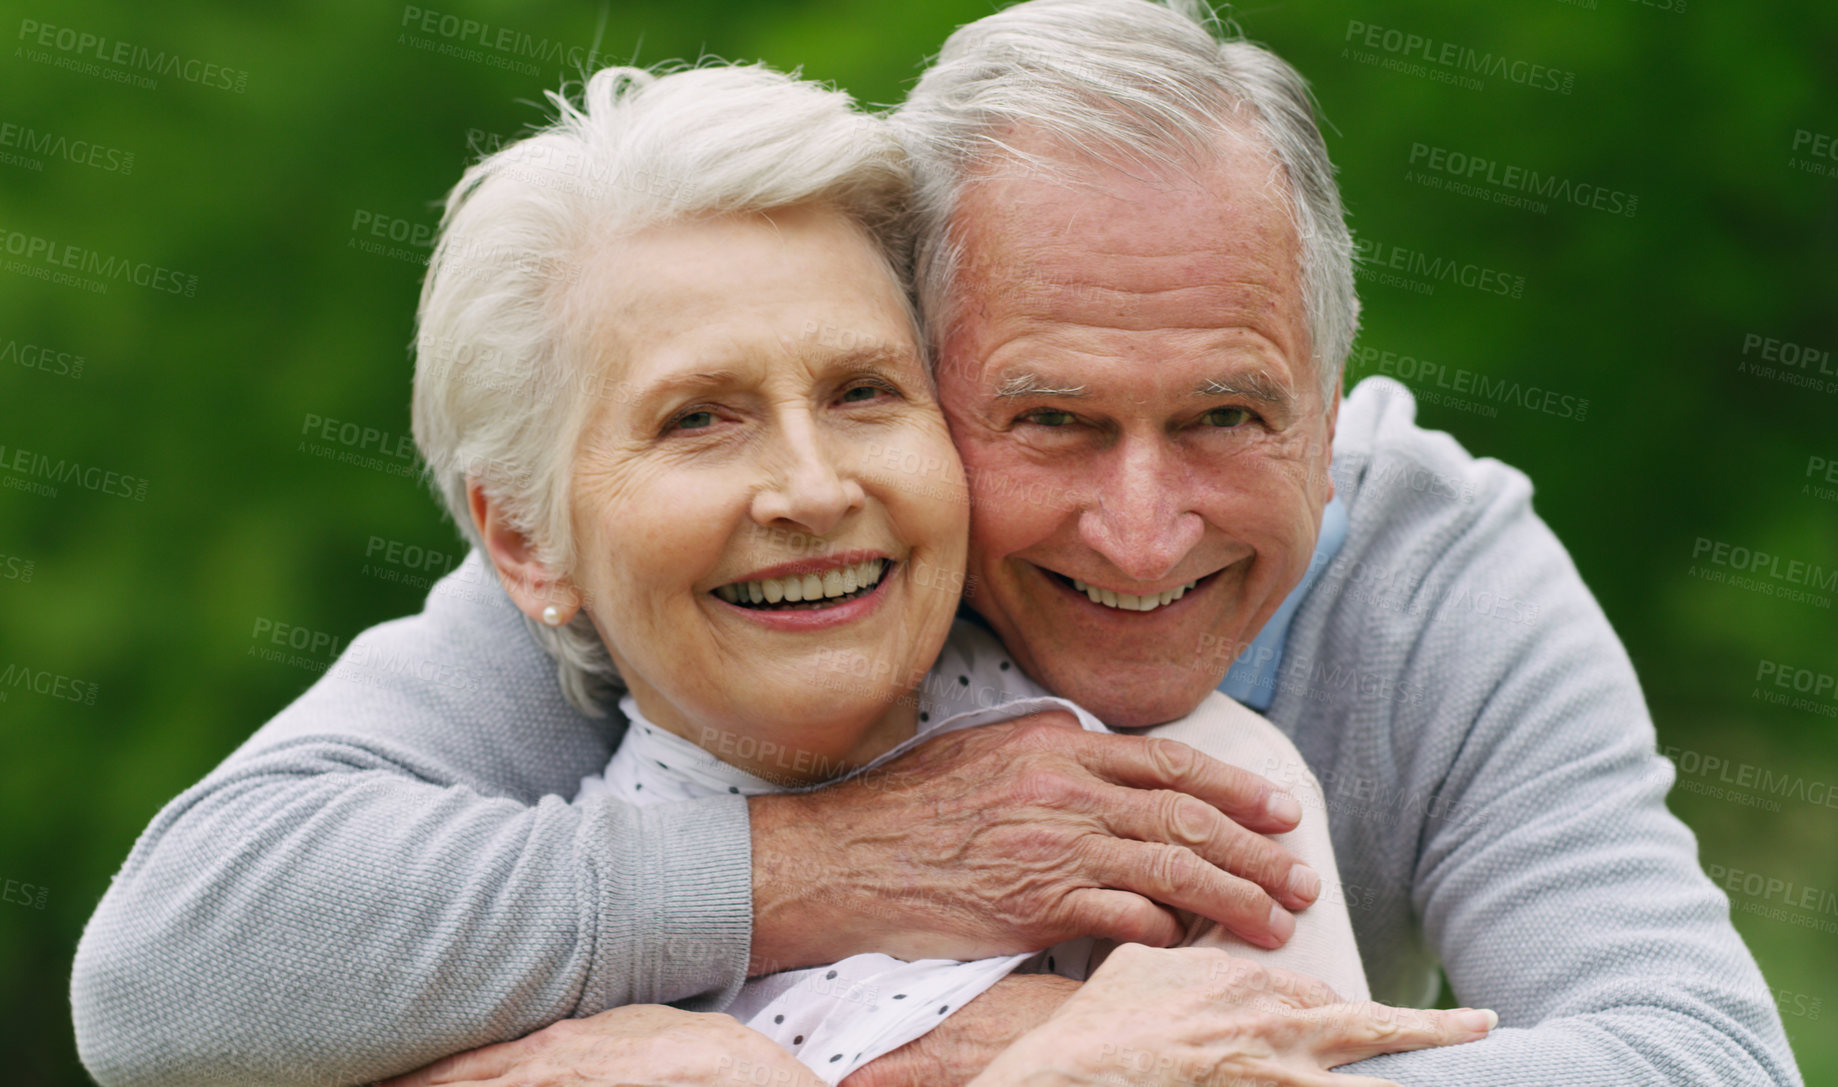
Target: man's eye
1226,418
695,420
1048,418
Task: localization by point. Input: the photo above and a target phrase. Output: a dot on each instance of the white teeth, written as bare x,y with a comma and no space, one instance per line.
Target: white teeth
804,588
1128,602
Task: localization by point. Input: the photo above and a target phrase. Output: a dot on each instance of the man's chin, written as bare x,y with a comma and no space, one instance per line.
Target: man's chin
1125,695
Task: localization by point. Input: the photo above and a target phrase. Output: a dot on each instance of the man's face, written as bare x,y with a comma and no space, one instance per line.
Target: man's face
1129,384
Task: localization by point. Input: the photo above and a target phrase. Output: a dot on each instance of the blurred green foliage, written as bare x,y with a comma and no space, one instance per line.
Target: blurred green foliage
255,192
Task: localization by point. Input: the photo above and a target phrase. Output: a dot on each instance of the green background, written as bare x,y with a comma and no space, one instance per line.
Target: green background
1693,111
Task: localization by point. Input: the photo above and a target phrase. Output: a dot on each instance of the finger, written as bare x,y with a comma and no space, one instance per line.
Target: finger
1355,1032
1176,877
1121,916
1147,762
1164,815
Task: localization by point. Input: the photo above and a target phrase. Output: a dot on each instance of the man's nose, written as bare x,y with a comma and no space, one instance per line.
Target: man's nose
806,483
1140,519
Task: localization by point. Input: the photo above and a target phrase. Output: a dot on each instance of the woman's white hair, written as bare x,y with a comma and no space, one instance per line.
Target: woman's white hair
503,384
1133,82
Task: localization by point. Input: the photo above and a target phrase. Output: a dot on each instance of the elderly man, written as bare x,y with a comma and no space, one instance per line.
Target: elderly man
1136,277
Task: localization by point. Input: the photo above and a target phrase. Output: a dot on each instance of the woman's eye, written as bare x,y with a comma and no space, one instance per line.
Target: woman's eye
1048,418
861,393
695,420
1226,418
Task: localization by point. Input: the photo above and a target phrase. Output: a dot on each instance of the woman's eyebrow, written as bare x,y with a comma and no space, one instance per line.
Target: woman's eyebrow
674,385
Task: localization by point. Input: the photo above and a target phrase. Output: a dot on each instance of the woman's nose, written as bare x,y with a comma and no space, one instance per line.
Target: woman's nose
807,485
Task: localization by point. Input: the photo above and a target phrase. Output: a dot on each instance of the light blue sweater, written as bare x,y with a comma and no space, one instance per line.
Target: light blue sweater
390,870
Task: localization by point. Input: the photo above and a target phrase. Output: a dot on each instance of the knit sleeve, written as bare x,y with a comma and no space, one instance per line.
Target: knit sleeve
1548,874
394,870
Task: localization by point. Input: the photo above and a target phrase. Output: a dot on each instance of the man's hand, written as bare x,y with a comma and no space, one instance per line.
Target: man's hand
957,1049
1015,836
640,1045
1198,1016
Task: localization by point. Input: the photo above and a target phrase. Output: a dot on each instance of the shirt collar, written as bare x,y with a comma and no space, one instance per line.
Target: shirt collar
1252,678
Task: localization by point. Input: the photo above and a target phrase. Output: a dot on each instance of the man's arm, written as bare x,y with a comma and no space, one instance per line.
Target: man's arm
1530,815
388,873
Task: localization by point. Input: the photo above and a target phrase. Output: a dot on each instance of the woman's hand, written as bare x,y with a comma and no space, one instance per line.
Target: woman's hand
641,1045
1195,1015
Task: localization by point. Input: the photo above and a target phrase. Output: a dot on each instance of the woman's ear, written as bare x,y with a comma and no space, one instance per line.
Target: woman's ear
537,592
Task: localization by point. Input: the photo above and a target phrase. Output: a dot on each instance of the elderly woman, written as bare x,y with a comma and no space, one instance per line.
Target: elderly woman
669,382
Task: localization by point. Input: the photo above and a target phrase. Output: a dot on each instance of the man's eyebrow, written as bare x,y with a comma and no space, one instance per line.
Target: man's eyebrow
1031,384
1255,386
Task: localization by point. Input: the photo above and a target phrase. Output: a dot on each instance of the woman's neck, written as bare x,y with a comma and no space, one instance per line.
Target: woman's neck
786,754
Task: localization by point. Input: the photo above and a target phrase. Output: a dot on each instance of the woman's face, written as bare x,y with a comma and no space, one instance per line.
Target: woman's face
770,518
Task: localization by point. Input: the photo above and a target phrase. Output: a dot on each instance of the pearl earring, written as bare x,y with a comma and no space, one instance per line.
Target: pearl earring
552,616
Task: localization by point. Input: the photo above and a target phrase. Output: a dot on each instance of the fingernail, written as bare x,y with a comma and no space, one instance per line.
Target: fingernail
1283,808
1480,1019
1304,883
1282,925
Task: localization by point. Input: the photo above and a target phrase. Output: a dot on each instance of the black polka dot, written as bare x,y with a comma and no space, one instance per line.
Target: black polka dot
639,785
943,1008
1050,965
963,681
836,1058
733,788
925,717
831,976
778,1019
660,762
799,1040
1003,666
899,996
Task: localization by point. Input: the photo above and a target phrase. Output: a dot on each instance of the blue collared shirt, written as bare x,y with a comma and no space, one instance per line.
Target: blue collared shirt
1252,679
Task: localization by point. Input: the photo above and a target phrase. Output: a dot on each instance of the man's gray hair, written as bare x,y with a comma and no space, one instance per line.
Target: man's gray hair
1132,82
503,382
